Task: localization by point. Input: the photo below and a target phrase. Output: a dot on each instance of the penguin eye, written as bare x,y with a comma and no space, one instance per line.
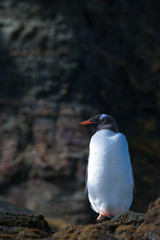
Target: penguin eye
101,120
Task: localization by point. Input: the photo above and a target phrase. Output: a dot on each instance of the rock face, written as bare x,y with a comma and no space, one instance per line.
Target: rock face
50,171
61,63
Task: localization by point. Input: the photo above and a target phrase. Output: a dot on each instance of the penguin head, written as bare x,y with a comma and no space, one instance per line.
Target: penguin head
102,121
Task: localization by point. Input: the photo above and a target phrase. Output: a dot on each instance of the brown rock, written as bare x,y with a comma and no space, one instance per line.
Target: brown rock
129,217
20,223
126,226
150,228
122,228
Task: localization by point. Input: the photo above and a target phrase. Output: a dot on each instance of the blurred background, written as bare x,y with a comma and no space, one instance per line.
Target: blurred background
62,62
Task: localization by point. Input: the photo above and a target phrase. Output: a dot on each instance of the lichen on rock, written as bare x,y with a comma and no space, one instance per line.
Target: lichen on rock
20,223
129,226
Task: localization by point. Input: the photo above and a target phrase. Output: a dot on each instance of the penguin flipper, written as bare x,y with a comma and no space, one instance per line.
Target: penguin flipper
86,177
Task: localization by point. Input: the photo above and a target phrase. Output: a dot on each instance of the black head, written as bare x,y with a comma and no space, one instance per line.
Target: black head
102,121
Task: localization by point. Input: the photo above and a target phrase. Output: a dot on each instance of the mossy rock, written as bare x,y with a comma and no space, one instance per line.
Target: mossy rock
129,218
20,223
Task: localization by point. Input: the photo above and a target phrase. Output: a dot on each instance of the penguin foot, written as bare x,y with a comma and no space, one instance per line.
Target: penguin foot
103,217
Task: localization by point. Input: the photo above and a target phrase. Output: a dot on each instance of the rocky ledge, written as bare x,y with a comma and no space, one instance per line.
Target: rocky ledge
20,223
130,226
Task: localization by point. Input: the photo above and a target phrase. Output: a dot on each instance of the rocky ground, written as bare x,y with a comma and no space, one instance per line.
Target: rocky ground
61,63
20,223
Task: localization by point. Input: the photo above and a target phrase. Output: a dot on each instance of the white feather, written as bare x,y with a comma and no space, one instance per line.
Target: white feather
110,180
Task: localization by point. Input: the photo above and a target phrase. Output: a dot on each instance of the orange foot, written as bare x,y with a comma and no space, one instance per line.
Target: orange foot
104,216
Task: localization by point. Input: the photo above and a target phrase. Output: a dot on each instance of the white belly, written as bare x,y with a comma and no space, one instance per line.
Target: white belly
110,181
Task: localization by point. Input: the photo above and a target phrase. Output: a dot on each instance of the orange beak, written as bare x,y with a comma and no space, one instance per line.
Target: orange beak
85,122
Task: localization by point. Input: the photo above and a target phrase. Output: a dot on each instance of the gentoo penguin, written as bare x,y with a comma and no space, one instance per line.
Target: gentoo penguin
109,176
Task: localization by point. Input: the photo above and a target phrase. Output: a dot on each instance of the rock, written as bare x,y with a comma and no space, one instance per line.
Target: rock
127,226
20,223
150,228
129,218
47,165
7,207
105,230
98,231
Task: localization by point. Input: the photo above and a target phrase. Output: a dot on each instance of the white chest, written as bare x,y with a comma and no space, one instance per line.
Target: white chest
109,182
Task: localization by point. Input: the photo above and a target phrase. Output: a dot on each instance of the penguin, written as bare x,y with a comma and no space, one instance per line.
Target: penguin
109,173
